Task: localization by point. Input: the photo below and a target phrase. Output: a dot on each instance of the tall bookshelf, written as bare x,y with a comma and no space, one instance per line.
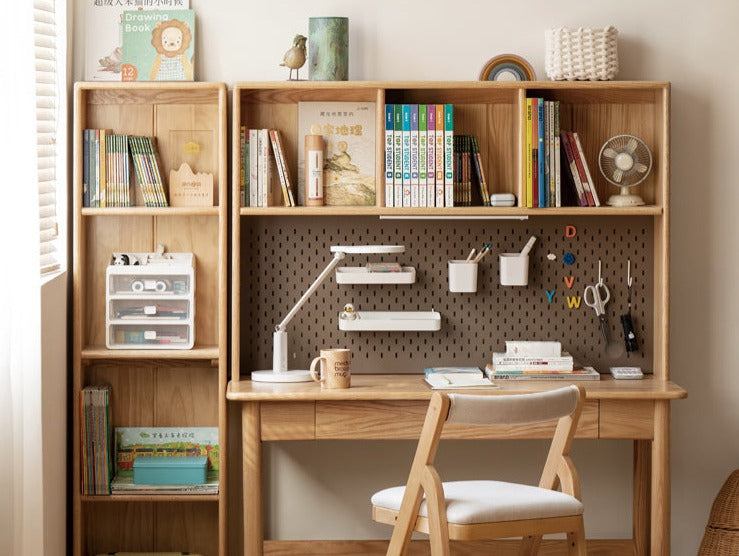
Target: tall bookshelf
167,388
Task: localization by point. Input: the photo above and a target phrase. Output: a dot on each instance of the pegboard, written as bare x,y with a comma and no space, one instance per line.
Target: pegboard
281,256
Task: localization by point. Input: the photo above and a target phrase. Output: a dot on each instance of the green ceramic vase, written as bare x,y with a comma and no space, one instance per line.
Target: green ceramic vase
328,49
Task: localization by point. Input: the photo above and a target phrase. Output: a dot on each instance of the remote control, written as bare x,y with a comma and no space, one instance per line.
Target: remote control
627,373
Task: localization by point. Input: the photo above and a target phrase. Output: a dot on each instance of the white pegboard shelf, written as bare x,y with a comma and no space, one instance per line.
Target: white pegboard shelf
392,321
361,275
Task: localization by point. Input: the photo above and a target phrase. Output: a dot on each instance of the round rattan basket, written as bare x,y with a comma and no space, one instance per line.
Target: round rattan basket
581,54
722,532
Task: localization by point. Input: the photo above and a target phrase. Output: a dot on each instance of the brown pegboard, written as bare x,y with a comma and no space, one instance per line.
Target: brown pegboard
281,256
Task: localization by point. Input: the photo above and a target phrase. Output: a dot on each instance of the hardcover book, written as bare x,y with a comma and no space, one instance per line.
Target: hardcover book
348,130
158,45
103,25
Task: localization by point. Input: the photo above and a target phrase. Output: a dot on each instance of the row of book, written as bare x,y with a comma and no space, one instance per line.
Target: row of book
262,155
106,174
419,155
470,186
96,457
557,173
526,360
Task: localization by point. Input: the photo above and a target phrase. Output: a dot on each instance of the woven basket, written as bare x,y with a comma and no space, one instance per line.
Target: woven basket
581,54
722,532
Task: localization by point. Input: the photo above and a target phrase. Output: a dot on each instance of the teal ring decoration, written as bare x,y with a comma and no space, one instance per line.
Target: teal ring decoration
507,64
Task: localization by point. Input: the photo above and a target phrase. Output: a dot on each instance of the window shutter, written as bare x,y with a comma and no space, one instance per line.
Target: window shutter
47,126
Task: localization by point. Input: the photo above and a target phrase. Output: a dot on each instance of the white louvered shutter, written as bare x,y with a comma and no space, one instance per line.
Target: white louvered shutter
47,126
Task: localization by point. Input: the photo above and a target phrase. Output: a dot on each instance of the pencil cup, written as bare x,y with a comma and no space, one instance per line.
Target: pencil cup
514,269
462,277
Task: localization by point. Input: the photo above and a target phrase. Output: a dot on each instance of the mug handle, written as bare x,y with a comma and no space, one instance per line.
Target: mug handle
316,376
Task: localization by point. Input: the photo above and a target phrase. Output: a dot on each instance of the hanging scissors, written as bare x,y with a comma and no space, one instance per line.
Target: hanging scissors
597,297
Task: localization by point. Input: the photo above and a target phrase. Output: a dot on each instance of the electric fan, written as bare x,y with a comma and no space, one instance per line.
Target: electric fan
625,161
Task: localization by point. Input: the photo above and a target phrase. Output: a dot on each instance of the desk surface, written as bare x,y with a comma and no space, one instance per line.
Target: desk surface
413,387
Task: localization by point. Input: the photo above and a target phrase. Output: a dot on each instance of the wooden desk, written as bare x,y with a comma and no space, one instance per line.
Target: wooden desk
379,407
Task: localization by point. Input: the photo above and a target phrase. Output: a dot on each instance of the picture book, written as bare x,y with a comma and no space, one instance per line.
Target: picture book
103,25
348,130
158,45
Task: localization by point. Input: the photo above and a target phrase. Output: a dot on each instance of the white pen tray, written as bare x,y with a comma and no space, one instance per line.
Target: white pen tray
392,320
360,275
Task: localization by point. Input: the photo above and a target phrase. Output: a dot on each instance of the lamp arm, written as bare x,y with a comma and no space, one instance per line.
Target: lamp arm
338,256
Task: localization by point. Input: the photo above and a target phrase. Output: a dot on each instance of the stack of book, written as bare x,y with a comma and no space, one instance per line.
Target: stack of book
419,155
557,173
468,168
106,175
96,457
537,360
263,161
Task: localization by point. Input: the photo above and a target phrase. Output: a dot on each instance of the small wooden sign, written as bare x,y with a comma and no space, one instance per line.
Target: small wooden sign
187,189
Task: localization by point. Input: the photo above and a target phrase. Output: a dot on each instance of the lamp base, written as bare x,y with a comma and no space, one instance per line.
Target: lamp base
284,376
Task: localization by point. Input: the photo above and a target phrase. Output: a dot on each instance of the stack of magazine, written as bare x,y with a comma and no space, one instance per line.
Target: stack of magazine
527,360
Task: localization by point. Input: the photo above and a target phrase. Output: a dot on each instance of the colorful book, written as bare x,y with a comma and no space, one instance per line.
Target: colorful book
585,373
389,123
253,168
102,175
398,155
448,155
85,167
534,153
440,177
431,155
586,168
96,459
571,170
406,155
526,201
415,183
158,45
581,170
542,181
551,197
479,172
557,158
422,154
547,153
243,165
281,164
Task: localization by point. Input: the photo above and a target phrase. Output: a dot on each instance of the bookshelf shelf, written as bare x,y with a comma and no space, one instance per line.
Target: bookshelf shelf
153,388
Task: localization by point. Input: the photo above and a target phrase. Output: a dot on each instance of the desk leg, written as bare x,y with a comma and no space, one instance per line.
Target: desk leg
641,497
252,479
660,526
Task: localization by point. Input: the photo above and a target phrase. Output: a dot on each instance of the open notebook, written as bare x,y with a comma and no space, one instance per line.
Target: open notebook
453,381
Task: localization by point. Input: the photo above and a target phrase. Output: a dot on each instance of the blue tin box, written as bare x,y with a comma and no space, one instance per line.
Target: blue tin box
169,470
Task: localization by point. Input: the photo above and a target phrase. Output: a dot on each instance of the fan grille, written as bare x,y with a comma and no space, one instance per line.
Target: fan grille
625,160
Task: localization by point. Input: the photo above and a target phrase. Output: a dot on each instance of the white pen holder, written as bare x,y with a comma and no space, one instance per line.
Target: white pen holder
462,276
514,269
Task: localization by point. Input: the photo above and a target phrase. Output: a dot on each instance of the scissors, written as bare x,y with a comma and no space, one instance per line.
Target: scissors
597,296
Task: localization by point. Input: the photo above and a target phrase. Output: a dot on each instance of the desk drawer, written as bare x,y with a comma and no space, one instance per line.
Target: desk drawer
288,421
403,419
627,419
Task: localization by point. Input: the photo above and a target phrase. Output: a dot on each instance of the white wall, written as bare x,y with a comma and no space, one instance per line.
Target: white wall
693,45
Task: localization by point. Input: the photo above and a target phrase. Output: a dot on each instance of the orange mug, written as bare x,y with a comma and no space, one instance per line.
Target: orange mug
335,371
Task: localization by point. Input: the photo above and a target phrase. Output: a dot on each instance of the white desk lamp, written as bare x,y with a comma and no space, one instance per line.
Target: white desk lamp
279,372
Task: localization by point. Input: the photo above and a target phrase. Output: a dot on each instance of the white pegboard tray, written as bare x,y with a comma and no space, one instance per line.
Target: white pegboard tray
360,275
398,321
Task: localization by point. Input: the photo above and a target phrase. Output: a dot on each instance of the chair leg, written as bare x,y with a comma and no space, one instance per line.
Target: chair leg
576,544
530,545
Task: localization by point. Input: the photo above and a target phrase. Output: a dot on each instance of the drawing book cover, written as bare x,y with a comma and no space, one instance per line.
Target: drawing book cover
103,29
348,130
158,45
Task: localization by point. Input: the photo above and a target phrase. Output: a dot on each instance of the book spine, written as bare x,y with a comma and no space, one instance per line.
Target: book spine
389,123
440,155
285,169
579,164
253,168
422,153
480,172
547,152
448,155
457,168
550,142
406,155
526,201
415,183
247,169
588,177
242,165
542,197
557,158
103,191
263,168
398,156
431,155
280,167
85,167
534,153
574,174
159,183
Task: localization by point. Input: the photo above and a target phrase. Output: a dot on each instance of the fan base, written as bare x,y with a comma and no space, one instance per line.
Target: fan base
625,200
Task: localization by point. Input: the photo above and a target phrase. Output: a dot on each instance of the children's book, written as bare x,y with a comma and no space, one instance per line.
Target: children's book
348,130
103,25
158,45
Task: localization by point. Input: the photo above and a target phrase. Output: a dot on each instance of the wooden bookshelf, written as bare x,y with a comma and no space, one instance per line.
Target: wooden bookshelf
169,388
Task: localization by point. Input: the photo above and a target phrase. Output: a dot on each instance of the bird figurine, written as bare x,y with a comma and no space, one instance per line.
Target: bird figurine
295,57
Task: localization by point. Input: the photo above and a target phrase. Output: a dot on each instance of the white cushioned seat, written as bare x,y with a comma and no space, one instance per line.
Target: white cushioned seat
469,502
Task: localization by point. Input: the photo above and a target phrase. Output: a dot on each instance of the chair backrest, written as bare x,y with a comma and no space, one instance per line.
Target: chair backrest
519,409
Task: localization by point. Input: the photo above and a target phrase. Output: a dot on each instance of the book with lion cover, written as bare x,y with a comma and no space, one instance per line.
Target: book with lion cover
158,45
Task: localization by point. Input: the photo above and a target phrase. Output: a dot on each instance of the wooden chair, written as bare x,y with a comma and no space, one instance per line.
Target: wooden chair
475,510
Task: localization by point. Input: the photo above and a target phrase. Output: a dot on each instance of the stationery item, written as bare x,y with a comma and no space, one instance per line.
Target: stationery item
529,244
597,296
483,252
627,373
502,200
453,381
462,276
514,269
472,254
626,323
314,170
335,368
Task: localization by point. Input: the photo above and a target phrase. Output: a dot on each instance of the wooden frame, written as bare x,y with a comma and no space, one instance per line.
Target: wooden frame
424,479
